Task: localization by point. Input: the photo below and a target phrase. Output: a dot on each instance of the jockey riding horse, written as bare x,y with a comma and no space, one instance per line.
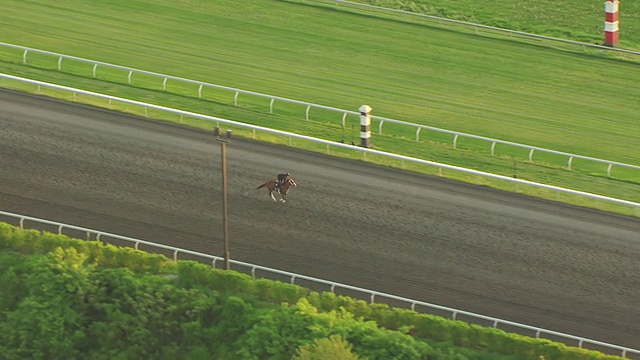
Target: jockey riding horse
282,189
282,178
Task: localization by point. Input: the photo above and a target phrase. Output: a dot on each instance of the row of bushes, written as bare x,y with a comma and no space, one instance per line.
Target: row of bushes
55,306
423,326
61,303
71,298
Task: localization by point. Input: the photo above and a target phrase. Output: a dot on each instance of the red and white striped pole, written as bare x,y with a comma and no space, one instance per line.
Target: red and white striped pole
611,22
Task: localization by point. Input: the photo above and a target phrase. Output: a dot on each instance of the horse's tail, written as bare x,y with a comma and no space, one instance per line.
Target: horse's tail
261,186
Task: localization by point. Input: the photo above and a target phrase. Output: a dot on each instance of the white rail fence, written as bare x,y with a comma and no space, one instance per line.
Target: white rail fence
372,295
328,144
342,114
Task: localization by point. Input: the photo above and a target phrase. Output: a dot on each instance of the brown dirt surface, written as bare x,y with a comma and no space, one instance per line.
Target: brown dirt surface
505,255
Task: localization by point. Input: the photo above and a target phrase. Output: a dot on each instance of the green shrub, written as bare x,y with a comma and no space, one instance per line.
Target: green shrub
369,340
276,291
276,334
85,298
333,347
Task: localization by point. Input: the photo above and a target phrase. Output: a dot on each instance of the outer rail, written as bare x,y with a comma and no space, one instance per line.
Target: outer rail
372,294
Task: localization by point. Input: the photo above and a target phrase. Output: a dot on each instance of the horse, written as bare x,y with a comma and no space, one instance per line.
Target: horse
271,186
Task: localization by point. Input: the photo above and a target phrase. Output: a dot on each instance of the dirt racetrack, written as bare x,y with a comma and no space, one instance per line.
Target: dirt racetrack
522,259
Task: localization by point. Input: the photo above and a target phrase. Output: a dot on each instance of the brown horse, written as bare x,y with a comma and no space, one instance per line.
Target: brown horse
271,186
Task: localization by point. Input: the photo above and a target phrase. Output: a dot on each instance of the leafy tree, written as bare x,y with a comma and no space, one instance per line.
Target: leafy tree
14,288
367,338
75,301
276,334
45,323
333,347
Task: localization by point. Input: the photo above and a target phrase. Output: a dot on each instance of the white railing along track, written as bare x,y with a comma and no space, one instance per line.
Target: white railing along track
372,294
328,143
341,112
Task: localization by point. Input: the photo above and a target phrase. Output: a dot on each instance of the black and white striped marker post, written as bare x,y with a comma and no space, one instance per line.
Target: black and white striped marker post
365,126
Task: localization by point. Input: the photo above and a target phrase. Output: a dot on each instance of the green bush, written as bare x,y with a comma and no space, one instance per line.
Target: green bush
83,299
333,347
368,339
36,242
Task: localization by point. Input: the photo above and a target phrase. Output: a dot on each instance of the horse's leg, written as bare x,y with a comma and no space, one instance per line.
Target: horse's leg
272,197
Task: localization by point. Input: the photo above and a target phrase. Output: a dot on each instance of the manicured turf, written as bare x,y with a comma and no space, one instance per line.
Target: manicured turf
558,97
580,20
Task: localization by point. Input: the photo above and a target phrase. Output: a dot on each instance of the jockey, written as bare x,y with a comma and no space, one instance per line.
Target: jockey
282,178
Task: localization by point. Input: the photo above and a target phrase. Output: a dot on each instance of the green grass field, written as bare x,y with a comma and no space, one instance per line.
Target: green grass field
563,97
579,20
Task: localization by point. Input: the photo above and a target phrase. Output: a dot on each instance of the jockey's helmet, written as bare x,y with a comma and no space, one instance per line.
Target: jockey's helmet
288,174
